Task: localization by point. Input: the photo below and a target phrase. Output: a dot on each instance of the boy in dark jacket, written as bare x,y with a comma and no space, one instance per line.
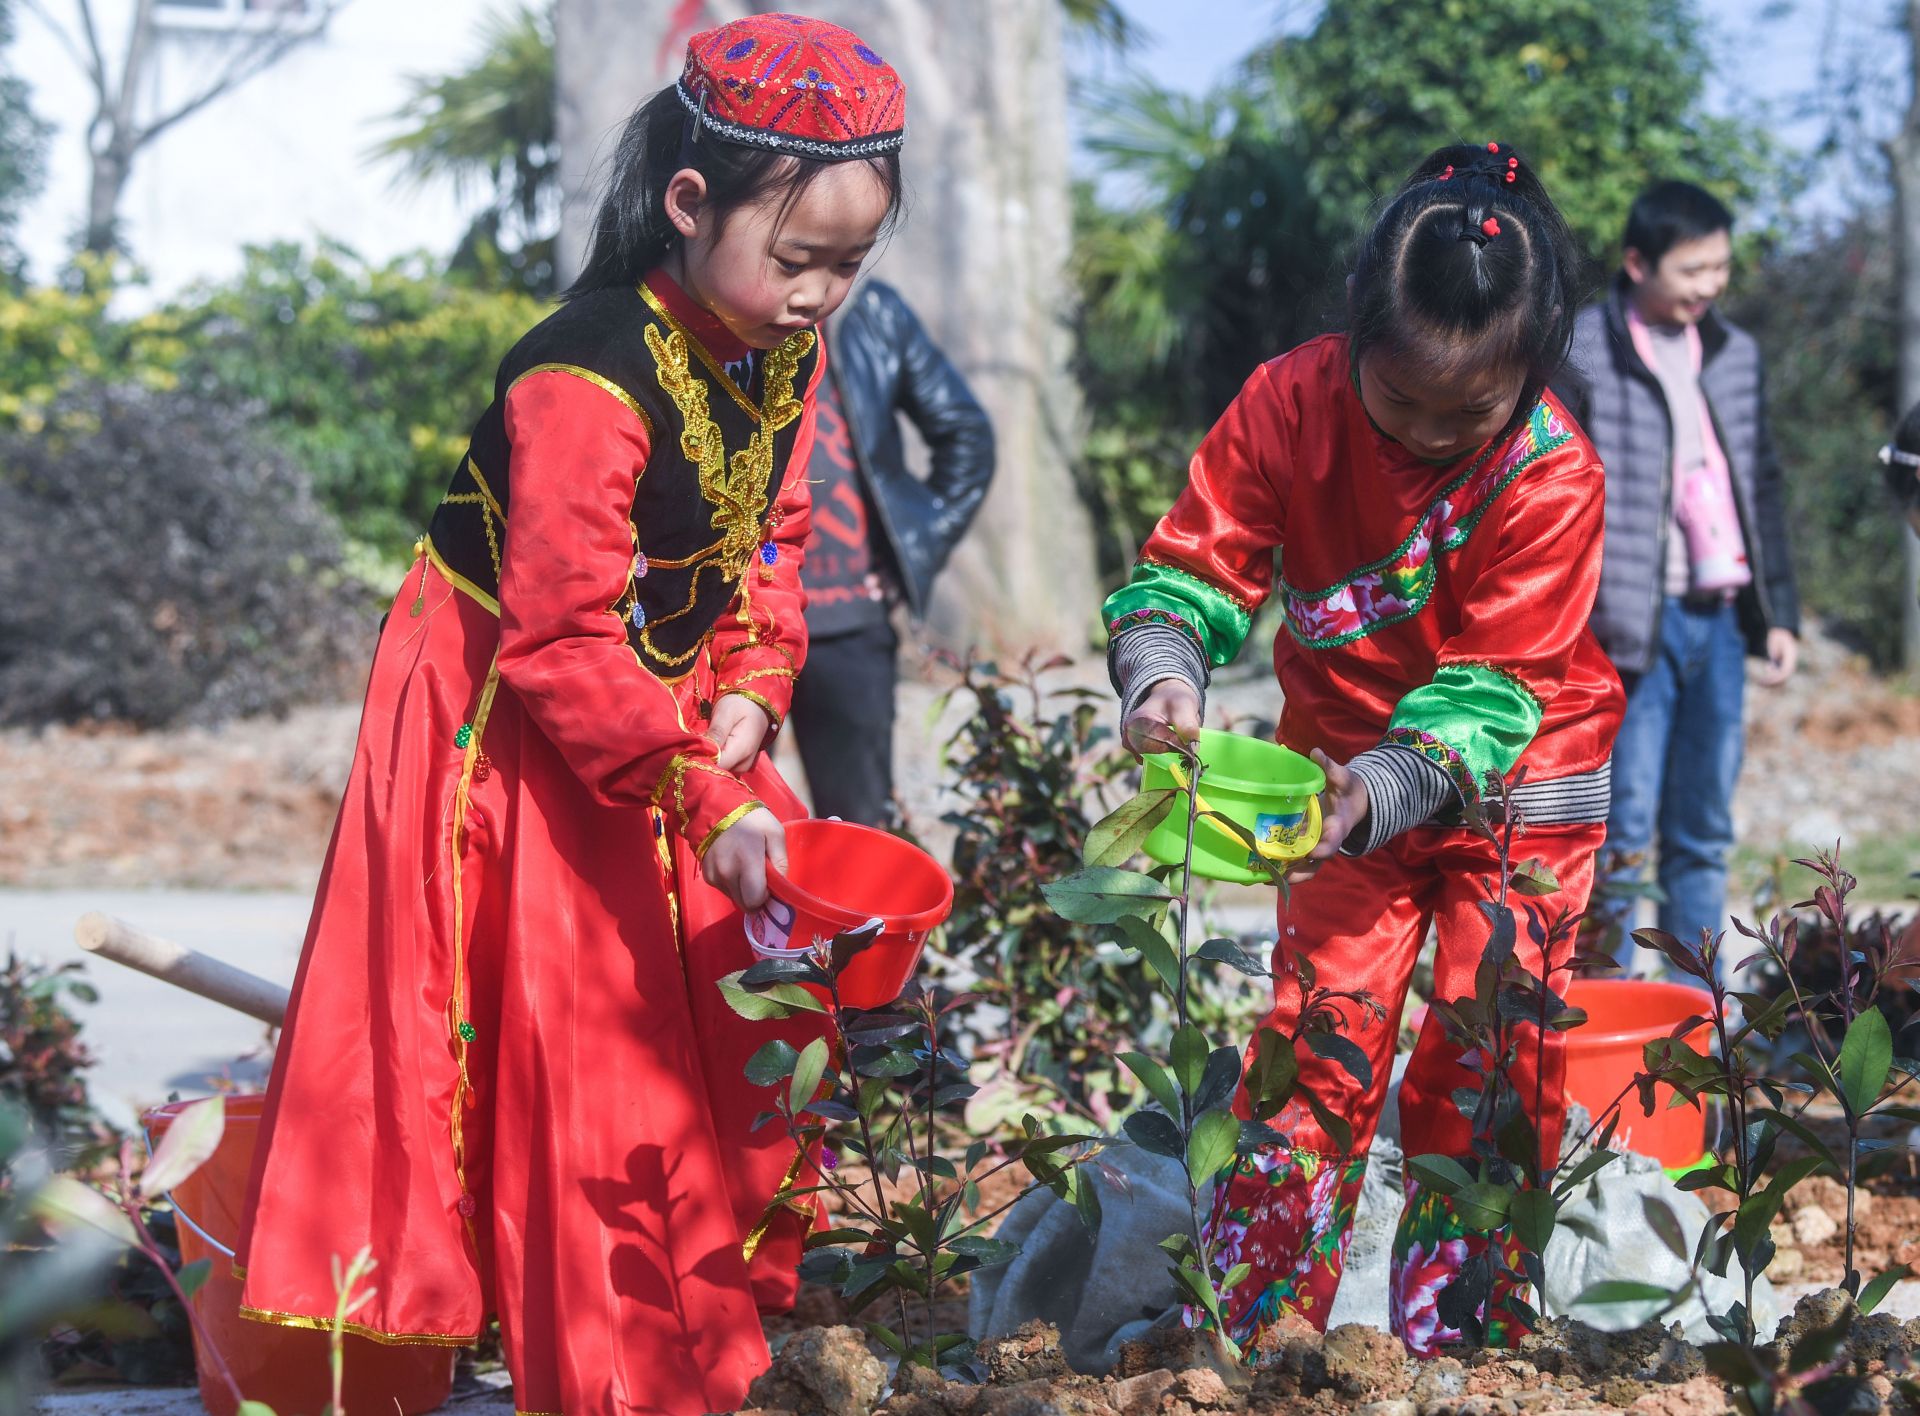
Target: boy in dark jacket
879,536
1696,574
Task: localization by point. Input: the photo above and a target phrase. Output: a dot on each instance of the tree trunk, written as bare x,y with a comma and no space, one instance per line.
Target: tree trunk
107,181
1904,154
981,257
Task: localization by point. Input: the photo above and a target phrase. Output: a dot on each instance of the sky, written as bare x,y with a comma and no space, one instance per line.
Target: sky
1769,55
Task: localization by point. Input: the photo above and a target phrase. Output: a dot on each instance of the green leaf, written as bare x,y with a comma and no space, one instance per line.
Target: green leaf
1154,947
1535,878
1215,1135
1440,1173
1232,953
1871,1296
1483,1206
194,1276
1190,1053
1621,1290
1866,1057
1151,1131
1533,1214
807,1071
1201,1288
1666,1224
1117,838
1273,1075
190,1141
781,1000
772,1064
1154,1078
1102,894
66,1204
988,1251
253,1408
1343,1052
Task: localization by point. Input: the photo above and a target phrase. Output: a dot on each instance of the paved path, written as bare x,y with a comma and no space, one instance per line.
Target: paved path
150,1039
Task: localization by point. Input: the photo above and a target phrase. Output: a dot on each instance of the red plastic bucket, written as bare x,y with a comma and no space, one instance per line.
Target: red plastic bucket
284,1367
1605,1053
841,876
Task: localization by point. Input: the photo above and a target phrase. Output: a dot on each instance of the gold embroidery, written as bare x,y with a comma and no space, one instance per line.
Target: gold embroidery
748,1249
598,381
489,510
765,706
391,1339
460,582
750,676
731,819
456,1003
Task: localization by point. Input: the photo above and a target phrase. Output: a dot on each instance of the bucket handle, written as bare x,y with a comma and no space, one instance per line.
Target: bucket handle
179,1209
1268,850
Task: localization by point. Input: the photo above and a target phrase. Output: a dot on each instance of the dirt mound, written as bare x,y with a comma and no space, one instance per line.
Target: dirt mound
1564,1368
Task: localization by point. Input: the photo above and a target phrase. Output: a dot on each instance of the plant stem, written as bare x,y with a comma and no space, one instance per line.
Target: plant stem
206,1345
1201,1256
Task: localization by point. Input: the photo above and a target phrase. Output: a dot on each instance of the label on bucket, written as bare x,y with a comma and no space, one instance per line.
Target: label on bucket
1285,829
770,929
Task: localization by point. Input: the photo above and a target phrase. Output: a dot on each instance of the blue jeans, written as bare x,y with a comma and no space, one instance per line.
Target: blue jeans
1675,763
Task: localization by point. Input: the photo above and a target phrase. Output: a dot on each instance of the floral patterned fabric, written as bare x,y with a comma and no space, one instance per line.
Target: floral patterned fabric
1288,1214
1430,1246
1398,586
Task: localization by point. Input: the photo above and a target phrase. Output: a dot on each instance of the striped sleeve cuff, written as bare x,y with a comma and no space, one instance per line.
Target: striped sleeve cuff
1149,653
1404,790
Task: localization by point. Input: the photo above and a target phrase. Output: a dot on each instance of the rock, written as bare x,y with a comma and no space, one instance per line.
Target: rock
1044,1397
1438,1380
1363,1361
1392,1406
1678,1362
1622,1391
1812,1313
920,1391
1699,1396
1180,1349
1203,1390
1788,1263
822,1372
1875,1337
1029,1353
1140,1396
1813,1226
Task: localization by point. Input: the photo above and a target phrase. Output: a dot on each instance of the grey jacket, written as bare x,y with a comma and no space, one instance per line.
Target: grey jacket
1619,402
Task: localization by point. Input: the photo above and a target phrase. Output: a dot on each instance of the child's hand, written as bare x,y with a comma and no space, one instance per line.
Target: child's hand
1343,806
1169,713
739,729
1783,657
736,864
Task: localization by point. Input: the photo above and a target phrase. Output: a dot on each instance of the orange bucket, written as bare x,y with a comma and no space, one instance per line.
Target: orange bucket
284,1367
841,876
1607,1051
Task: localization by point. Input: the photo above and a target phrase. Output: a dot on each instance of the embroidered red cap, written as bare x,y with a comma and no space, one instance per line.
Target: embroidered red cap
794,84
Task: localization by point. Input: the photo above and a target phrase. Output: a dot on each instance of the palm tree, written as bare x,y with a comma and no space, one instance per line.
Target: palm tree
489,129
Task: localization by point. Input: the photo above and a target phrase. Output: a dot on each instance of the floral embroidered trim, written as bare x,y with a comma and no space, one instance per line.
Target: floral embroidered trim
1430,1246
1239,602
1441,755
1150,614
1398,586
731,819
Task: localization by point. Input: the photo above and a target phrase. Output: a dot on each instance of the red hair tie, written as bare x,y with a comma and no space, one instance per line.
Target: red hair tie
1491,226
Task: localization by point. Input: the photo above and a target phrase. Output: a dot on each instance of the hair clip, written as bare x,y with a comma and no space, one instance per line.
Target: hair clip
1891,454
1491,226
1509,174
1493,147
1444,176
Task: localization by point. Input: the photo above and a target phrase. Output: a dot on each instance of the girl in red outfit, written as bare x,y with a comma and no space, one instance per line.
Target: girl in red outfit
1438,522
507,1069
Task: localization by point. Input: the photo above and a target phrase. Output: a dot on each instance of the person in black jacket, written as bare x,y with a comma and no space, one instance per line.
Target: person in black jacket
880,535
1696,575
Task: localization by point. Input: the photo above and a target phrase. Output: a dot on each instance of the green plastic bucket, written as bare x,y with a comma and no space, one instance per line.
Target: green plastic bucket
1270,790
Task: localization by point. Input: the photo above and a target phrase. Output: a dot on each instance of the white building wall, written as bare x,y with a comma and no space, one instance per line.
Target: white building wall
284,157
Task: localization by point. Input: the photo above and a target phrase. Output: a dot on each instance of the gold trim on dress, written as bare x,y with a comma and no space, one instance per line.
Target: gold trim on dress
390,1339
600,381
457,1022
460,582
752,1246
766,707
731,819
714,366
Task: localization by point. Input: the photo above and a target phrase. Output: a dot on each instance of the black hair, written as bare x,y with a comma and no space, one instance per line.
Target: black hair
1470,264
631,233
1669,214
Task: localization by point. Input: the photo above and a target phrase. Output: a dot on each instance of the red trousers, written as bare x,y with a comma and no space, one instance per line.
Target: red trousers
1362,921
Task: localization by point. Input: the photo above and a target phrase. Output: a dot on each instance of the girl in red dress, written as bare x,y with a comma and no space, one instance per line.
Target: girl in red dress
1438,521
507,1069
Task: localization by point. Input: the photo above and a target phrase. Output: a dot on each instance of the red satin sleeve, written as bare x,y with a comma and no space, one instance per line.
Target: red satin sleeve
578,452
760,643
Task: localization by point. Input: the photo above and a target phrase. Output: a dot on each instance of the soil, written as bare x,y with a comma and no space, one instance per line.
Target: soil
1566,1367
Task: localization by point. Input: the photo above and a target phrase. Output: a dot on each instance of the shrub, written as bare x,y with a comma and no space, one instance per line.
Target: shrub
159,564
